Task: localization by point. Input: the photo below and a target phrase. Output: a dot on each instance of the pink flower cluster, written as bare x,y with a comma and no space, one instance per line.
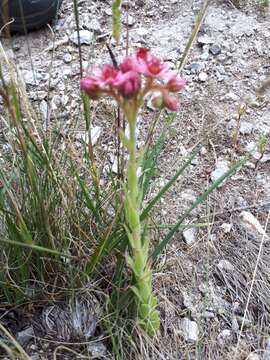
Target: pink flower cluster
126,82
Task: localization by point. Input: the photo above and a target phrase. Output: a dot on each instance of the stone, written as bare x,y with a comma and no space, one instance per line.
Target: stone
108,12
23,337
251,224
190,236
205,55
225,265
84,136
142,31
195,67
67,58
245,127
205,40
86,37
231,96
253,356
221,167
130,20
215,49
226,227
266,355
97,349
43,106
31,78
224,336
94,25
190,330
203,76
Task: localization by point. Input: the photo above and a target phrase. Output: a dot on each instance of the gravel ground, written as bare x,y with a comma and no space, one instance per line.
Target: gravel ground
204,278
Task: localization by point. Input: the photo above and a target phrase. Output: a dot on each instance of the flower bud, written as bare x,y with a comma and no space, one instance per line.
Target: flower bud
170,102
175,84
157,102
89,85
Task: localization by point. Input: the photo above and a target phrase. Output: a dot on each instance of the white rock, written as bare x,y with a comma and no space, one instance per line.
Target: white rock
84,136
86,37
251,224
108,12
142,31
97,349
225,265
205,40
231,96
190,330
190,236
24,336
94,25
253,356
246,127
188,196
226,227
203,76
266,355
130,21
67,58
44,109
221,167
224,335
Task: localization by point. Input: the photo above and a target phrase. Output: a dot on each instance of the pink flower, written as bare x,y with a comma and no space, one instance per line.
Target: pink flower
149,65
90,86
128,83
129,63
142,54
105,75
175,83
170,102
152,68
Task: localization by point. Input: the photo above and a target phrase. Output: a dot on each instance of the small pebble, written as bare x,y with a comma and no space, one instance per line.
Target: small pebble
215,49
203,76
67,58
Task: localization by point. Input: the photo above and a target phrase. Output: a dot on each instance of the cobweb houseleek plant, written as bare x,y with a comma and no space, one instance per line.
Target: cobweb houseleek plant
137,76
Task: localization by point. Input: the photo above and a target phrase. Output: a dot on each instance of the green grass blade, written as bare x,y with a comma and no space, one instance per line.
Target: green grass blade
159,248
35,248
116,19
192,38
89,203
149,163
182,226
169,184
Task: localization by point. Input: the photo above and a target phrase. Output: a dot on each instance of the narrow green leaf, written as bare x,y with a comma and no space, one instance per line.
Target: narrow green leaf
192,38
182,226
158,249
149,163
116,19
147,210
35,248
89,202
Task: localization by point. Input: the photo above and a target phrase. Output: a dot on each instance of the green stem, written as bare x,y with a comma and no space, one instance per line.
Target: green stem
138,261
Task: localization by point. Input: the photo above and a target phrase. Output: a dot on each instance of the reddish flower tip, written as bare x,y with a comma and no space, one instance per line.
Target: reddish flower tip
109,73
155,66
176,84
142,53
128,84
90,86
170,102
